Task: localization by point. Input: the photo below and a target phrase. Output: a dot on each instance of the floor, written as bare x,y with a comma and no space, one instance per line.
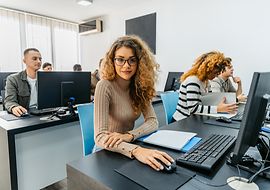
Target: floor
60,185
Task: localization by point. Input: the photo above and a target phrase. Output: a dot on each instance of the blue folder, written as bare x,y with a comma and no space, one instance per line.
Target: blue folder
191,143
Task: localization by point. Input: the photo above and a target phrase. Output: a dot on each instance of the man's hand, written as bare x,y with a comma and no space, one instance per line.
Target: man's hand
18,110
242,98
237,80
151,157
114,139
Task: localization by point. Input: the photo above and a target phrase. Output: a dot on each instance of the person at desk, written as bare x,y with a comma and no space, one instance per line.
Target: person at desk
47,67
20,90
95,77
222,83
124,92
77,67
195,84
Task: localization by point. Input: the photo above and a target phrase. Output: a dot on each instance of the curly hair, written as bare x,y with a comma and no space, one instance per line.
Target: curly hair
142,85
206,64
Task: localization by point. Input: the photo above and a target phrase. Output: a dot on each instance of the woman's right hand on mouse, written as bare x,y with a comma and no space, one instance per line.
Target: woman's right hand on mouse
226,108
150,156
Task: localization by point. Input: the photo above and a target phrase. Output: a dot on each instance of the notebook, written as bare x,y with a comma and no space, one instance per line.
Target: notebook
177,140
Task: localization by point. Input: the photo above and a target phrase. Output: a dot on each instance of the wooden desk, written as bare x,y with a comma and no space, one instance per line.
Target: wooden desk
97,170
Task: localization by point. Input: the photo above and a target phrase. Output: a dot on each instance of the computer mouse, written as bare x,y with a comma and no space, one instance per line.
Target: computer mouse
26,114
223,119
168,169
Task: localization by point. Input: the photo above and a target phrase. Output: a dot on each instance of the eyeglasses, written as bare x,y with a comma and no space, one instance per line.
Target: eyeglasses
121,61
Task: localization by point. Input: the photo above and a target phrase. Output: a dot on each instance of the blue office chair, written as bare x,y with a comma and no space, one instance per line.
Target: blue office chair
169,100
86,117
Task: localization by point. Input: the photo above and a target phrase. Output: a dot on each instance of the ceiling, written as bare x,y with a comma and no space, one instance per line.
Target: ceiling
67,10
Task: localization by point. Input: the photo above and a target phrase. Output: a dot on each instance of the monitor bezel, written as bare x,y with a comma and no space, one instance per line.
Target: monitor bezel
254,114
172,78
43,88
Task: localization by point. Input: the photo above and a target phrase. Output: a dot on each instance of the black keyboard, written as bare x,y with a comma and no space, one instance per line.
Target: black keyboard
46,111
207,153
238,116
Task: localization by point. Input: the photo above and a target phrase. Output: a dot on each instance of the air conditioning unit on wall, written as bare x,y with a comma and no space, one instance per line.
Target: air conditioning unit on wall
90,27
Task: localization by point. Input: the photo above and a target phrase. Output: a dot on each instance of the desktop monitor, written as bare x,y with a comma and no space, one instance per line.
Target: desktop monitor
253,119
173,81
3,78
56,88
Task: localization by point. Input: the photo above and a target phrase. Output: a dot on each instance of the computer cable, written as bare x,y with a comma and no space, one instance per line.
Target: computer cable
267,147
252,178
219,185
51,116
54,114
216,185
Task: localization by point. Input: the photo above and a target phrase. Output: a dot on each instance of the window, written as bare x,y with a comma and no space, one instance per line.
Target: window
38,35
10,46
65,43
56,40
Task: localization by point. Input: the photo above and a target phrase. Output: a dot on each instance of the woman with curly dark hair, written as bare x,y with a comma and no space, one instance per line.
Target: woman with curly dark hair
195,83
128,73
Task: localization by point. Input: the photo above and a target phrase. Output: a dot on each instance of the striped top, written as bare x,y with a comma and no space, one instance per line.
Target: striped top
113,113
191,92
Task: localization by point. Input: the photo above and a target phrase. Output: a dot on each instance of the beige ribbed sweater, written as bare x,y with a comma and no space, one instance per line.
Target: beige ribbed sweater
113,113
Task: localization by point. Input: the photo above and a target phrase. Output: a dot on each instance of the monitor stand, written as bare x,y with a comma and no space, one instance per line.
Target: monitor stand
250,164
65,113
71,106
71,111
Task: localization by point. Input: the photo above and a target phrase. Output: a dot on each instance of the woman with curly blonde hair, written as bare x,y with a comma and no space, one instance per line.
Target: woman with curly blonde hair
128,73
195,84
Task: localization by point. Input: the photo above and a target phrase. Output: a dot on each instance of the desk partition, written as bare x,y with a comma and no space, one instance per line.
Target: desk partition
33,152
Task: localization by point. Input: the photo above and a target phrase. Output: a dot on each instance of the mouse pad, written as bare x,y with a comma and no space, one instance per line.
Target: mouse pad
148,178
233,124
11,117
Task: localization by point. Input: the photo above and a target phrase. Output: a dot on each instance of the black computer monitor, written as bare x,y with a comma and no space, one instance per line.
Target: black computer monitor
3,78
173,81
56,88
253,119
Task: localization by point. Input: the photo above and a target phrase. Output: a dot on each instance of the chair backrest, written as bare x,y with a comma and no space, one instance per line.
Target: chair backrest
169,100
86,117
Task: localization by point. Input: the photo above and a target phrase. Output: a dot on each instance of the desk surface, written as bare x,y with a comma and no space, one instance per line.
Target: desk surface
36,122
98,169
30,124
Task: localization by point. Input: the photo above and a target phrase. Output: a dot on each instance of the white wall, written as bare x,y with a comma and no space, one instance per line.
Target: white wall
186,29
